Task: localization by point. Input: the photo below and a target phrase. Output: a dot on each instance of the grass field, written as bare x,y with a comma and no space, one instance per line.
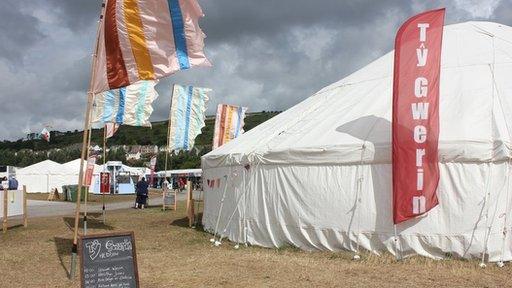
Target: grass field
173,255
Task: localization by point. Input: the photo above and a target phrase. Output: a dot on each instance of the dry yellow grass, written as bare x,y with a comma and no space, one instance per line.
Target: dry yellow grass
171,255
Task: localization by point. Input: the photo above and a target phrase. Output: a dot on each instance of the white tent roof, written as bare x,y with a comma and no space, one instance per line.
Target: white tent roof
42,168
326,178
334,125
195,172
73,167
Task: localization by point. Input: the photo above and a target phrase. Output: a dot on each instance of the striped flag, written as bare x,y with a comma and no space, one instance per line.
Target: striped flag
110,129
187,116
229,124
128,105
147,40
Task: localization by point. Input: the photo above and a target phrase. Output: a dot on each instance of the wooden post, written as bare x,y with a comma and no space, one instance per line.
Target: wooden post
4,222
175,200
190,204
25,211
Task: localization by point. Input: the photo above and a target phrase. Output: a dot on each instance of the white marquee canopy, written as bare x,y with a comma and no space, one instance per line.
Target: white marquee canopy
319,174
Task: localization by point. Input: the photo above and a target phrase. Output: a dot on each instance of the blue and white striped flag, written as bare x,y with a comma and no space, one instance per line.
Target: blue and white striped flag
129,105
187,116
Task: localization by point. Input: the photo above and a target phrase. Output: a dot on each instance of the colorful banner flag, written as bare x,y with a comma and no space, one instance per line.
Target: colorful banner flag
147,40
90,170
45,135
229,124
128,105
416,115
110,129
187,116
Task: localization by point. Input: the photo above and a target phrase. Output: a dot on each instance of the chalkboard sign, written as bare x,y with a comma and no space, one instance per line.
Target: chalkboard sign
169,199
108,260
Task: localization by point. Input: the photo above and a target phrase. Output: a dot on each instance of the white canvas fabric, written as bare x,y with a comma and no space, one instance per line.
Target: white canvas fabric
41,177
320,172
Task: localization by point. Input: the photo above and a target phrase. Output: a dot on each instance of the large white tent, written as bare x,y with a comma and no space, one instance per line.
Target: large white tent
42,177
318,176
72,168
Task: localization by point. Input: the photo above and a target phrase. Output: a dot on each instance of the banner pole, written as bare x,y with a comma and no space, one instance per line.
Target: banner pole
89,133
104,161
169,131
80,185
90,99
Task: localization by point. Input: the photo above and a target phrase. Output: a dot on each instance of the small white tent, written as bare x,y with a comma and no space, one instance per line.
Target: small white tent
41,177
318,176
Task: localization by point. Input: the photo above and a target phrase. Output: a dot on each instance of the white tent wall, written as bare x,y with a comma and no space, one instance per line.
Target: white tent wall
41,177
283,205
306,162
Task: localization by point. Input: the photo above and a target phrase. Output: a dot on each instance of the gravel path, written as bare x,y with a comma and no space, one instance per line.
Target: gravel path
39,208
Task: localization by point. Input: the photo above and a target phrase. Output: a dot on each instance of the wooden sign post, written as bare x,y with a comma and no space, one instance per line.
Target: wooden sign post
25,211
108,260
6,202
190,204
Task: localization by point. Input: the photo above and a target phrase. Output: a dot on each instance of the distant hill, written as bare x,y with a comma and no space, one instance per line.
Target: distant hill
65,146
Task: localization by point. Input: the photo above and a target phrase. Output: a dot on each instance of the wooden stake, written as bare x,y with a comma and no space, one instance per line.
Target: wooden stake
4,222
175,200
25,211
190,204
169,130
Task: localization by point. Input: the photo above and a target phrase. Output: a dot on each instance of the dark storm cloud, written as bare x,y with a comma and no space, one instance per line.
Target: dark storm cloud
267,55
78,15
19,31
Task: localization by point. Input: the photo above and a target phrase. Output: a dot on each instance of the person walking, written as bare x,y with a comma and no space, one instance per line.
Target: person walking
142,193
13,183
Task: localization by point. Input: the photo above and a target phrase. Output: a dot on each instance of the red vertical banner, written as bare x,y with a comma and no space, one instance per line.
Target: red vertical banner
90,170
416,115
105,183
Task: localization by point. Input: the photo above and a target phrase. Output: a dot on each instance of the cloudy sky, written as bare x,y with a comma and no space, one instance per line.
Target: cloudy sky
267,54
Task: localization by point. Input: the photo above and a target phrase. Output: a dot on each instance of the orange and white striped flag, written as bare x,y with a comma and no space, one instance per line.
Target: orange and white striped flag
229,124
147,40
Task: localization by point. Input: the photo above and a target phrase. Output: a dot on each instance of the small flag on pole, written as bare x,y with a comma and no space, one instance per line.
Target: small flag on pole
187,116
45,135
128,105
147,40
229,124
110,129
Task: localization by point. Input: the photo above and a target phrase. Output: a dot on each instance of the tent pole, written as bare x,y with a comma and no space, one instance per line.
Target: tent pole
397,246
226,177
505,215
90,98
489,181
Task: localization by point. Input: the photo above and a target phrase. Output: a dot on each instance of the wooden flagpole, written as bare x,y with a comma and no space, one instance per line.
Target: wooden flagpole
169,134
104,162
85,149
87,154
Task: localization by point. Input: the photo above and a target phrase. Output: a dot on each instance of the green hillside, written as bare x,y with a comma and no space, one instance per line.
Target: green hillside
66,146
